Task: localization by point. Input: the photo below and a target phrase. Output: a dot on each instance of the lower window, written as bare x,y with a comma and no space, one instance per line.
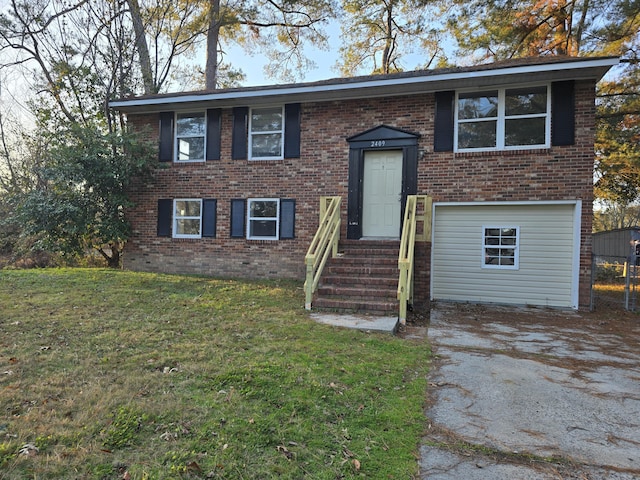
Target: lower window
263,218
187,218
501,247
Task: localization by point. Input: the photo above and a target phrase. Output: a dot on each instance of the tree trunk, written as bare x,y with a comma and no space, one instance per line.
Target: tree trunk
142,47
213,33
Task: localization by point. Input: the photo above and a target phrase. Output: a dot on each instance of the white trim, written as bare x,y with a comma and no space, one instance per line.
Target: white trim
501,120
175,218
276,218
281,132
176,138
577,238
516,248
369,83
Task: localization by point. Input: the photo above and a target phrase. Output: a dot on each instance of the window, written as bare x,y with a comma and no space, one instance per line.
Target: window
263,218
187,218
501,247
503,119
266,133
190,137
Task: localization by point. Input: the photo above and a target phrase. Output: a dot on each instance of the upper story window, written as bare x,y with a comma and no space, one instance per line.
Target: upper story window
190,137
266,133
187,218
503,119
501,246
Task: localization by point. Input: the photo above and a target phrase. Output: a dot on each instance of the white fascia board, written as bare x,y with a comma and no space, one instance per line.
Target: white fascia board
492,203
360,88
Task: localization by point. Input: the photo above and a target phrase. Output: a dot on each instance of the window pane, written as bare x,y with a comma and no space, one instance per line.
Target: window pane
526,101
262,228
190,124
264,209
477,134
524,131
191,148
478,105
266,119
266,145
188,226
187,208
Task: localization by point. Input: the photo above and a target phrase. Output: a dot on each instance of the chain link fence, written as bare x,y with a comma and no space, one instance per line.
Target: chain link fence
614,282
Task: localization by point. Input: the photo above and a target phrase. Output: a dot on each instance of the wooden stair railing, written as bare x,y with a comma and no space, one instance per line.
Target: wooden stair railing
407,247
324,243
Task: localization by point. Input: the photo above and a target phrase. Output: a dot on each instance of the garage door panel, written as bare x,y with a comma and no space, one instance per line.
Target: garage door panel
546,244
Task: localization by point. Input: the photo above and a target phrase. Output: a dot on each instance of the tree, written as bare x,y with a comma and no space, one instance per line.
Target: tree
378,33
81,201
280,30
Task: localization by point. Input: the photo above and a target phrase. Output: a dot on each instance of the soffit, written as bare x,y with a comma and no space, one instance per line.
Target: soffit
515,72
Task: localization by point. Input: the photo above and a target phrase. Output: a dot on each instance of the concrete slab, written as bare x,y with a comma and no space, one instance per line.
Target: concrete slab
370,323
531,399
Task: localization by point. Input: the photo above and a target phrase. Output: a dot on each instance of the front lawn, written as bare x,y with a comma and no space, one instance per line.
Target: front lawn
114,375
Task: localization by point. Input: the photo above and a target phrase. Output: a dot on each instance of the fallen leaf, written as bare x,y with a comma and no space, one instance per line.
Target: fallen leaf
285,451
356,464
126,476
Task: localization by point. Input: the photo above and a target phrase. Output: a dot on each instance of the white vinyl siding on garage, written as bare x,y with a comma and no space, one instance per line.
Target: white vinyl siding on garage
548,245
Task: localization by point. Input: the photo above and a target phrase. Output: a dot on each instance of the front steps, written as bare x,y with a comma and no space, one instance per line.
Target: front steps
362,278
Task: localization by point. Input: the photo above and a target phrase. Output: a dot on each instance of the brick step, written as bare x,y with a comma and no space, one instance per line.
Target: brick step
354,281
349,306
353,270
357,293
370,252
357,260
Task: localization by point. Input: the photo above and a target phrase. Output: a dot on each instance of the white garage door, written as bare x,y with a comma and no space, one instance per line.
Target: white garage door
525,253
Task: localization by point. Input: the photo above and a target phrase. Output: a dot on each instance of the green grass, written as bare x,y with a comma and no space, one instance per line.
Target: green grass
112,373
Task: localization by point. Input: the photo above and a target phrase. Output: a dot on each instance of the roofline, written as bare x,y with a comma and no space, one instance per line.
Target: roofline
387,85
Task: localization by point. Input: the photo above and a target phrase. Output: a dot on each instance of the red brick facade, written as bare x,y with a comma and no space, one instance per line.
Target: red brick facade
557,173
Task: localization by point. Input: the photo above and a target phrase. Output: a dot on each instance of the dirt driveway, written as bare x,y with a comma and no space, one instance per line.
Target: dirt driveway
532,394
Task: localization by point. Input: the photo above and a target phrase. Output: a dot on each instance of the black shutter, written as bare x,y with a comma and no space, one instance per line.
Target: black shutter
443,130
165,152
238,218
239,136
209,218
287,218
292,130
165,211
213,133
563,120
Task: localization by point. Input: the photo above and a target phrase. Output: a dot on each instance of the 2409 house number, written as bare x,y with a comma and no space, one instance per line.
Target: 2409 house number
377,143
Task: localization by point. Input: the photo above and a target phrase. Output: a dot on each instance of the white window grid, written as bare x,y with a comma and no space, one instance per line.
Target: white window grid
501,119
178,137
177,217
266,132
251,218
500,246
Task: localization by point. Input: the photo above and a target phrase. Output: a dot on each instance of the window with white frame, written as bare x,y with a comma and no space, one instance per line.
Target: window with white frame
263,219
511,118
190,136
187,218
266,133
501,247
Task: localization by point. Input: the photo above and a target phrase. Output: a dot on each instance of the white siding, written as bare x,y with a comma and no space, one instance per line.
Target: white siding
547,242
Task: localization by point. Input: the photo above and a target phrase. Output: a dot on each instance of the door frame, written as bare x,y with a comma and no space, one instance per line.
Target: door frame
378,139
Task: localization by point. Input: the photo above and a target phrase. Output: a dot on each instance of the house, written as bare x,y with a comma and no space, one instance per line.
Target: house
503,151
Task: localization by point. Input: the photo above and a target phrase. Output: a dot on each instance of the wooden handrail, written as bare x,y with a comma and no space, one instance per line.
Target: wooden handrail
324,243
407,247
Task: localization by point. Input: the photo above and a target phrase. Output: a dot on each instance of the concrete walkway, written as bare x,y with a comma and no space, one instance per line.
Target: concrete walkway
531,394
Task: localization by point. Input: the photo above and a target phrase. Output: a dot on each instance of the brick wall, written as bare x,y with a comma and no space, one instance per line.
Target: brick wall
558,173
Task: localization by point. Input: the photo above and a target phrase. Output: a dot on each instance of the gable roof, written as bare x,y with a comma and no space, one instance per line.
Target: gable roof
524,70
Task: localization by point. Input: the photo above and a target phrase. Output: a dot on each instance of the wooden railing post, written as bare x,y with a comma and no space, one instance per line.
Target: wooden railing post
407,248
325,242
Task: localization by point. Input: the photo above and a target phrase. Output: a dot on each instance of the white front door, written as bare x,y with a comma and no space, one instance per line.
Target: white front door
382,193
